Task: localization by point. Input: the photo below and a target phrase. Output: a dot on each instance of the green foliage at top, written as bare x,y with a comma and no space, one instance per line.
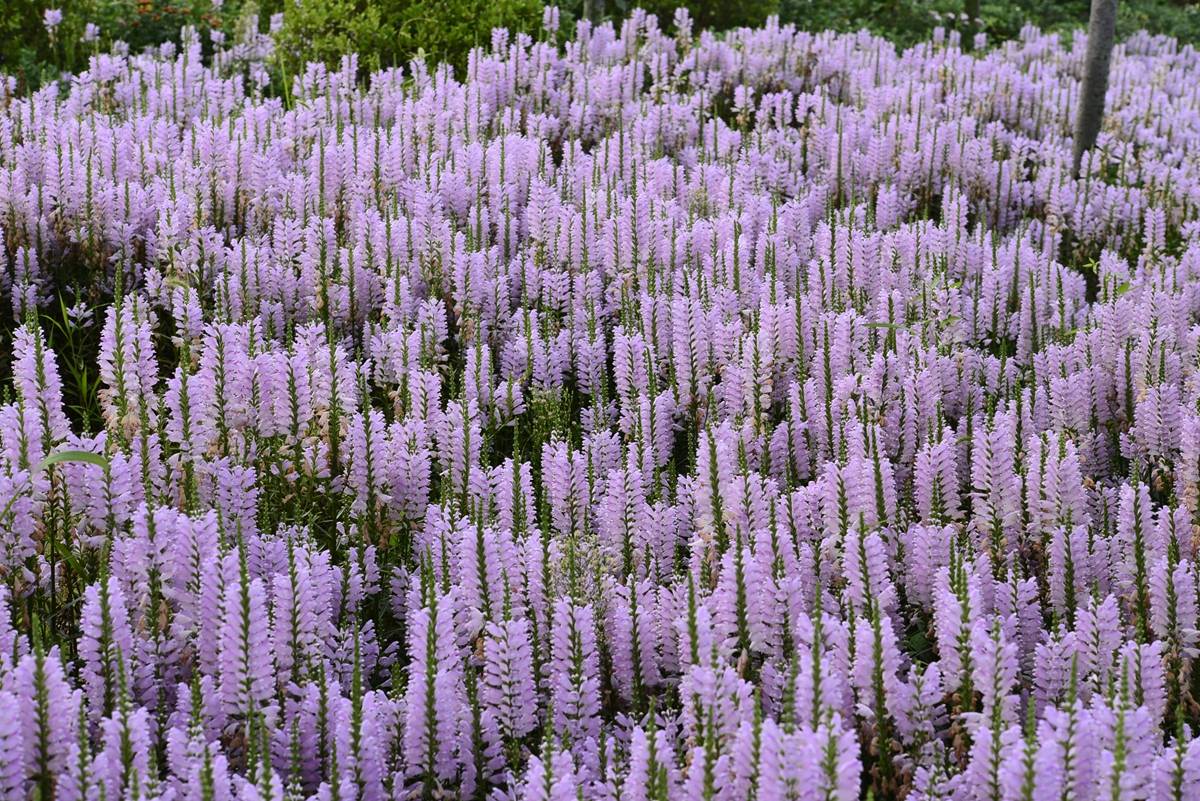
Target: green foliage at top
907,22
325,30
447,29
27,50
712,14
391,32
34,54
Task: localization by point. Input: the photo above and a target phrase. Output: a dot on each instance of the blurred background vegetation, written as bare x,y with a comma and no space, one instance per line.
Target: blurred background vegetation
35,47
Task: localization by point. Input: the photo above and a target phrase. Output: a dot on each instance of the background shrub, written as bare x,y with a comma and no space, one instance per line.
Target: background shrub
34,54
906,22
390,32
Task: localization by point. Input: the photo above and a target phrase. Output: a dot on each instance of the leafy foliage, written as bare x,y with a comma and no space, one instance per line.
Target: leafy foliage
33,52
390,32
907,22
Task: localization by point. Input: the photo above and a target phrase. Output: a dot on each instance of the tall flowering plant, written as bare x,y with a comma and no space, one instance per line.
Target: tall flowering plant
648,415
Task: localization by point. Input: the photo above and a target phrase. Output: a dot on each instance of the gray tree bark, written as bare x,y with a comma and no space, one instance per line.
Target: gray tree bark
1101,29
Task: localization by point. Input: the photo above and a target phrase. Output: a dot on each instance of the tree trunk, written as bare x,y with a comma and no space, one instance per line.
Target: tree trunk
1090,114
1101,28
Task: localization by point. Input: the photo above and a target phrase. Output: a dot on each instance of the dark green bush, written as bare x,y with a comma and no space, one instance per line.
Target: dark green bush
143,24
714,14
447,29
909,21
34,54
325,30
29,52
390,32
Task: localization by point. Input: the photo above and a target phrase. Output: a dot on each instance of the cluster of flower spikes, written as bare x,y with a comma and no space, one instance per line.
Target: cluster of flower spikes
641,415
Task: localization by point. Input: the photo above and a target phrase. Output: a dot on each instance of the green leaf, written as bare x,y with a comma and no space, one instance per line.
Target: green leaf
176,280
72,456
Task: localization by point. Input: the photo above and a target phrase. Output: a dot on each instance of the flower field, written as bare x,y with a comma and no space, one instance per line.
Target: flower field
642,415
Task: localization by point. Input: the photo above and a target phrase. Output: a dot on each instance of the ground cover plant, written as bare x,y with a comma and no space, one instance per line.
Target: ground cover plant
639,415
